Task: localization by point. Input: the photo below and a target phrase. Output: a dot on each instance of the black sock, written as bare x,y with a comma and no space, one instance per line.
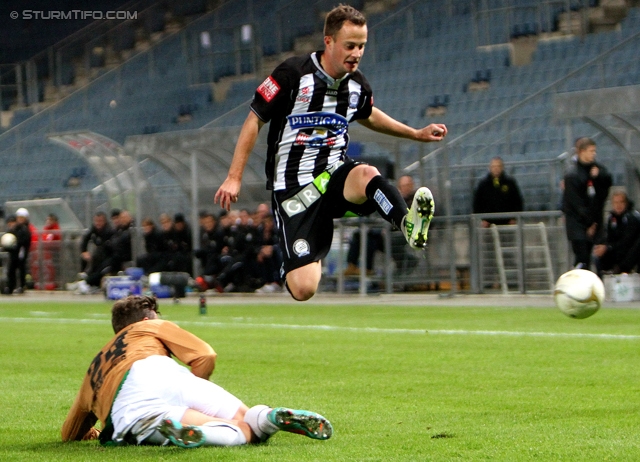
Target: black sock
389,203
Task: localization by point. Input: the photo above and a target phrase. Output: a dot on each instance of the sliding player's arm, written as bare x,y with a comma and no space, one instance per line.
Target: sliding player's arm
80,420
188,348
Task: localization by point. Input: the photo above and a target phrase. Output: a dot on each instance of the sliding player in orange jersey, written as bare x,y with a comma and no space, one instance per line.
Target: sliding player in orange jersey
143,396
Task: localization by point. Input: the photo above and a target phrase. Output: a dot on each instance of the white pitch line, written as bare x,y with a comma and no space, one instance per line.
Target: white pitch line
375,330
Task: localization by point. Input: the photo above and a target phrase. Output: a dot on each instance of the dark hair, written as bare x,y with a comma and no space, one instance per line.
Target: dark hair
337,17
100,214
115,212
131,309
584,143
179,218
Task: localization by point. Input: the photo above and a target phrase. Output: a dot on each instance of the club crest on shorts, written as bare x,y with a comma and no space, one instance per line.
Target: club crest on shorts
301,248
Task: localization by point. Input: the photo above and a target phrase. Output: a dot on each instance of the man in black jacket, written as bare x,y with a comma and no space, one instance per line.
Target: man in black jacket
94,249
497,193
620,251
120,243
18,255
586,186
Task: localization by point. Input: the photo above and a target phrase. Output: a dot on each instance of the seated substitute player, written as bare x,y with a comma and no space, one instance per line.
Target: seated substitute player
142,396
309,102
620,251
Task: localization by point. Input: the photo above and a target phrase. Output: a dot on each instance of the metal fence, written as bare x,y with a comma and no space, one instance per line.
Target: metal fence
462,255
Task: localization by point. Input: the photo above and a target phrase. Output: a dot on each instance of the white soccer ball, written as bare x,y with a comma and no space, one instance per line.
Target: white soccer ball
579,293
8,241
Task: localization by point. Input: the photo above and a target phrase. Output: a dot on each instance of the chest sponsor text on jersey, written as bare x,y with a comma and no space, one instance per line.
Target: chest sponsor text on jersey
327,120
328,128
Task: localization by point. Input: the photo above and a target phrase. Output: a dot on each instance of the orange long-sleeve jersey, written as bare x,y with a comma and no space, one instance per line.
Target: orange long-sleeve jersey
136,341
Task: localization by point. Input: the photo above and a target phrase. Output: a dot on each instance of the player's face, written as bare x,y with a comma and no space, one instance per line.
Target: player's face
619,204
99,221
208,223
344,51
496,168
405,186
587,155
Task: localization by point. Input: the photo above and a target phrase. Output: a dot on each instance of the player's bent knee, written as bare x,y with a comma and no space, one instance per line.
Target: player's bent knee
367,171
302,293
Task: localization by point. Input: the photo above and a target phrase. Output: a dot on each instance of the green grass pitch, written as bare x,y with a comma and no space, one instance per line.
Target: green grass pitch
399,383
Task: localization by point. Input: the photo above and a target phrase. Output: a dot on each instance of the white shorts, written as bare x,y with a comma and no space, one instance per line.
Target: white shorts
158,387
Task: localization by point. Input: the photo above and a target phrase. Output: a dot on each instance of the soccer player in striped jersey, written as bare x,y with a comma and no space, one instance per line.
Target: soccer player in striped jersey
309,102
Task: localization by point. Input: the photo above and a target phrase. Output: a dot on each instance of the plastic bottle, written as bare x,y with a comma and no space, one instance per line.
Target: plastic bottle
203,304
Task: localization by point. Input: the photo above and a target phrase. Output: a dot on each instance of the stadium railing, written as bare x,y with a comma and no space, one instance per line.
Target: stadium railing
461,256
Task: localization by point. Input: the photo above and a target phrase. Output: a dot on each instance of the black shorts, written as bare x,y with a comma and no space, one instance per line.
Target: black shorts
304,217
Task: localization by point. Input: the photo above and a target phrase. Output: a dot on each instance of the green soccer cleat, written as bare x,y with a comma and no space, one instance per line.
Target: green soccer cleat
186,437
416,223
301,422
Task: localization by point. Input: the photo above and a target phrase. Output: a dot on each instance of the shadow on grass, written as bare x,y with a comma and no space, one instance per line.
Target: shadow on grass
88,450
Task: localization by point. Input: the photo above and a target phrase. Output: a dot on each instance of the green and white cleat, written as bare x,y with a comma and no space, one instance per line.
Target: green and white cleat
186,437
416,223
301,422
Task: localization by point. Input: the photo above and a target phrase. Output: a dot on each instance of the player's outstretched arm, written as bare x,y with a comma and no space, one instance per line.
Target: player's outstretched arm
80,419
380,122
229,190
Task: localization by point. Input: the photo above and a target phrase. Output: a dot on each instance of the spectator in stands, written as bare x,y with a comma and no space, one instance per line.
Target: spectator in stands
497,193
266,265
202,216
51,229
375,238
182,233
586,186
153,258
177,243
95,251
18,255
262,210
183,245
234,239
168,234
51,237
120,243
620,251
115,218
209,251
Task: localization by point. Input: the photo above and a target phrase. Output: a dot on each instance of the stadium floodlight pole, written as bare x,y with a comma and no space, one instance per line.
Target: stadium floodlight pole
138,245
449,222
194,211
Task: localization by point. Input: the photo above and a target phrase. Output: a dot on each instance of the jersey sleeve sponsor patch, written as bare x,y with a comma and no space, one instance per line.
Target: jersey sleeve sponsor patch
269,89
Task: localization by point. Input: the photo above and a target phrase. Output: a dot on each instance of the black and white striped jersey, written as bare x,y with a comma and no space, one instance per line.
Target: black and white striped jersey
309,113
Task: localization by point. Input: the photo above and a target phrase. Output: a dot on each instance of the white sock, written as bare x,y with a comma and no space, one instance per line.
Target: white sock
156,438
222,434
256,418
